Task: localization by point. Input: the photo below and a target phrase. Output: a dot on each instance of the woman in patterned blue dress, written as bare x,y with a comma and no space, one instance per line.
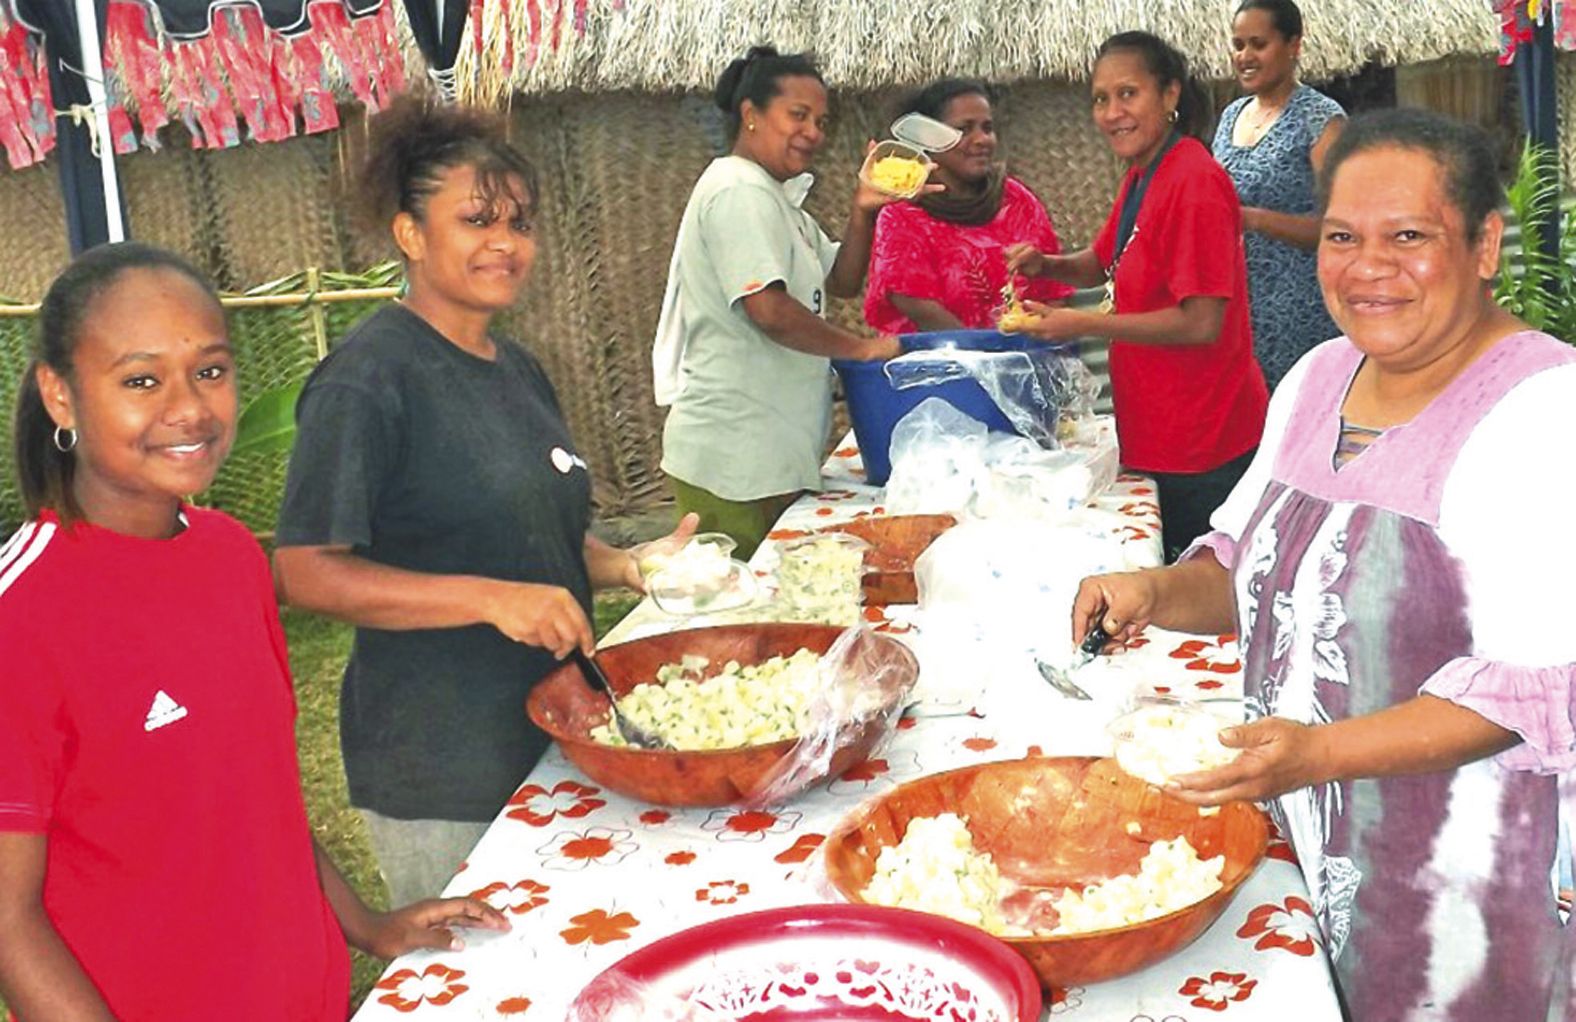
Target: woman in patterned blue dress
1272,142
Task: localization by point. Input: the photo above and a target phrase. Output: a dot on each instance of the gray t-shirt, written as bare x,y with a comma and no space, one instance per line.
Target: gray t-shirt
752,416
421,456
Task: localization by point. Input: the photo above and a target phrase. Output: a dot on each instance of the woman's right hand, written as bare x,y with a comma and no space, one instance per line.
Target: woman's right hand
540,615
1122,603
1025,259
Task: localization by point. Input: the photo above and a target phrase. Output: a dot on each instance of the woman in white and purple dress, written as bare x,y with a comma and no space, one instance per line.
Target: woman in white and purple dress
1396,564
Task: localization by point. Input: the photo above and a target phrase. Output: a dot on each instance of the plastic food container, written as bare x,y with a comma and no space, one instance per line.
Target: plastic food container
1163,737
820,578
684,589
900,165
659,553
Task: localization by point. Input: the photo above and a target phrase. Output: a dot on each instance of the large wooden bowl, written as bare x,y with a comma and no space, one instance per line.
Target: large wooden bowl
566,706
895,544
1060,822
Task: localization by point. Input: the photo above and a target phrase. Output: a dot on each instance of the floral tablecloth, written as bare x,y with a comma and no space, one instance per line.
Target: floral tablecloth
587,876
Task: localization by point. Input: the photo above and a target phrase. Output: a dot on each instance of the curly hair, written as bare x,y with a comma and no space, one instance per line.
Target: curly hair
416,139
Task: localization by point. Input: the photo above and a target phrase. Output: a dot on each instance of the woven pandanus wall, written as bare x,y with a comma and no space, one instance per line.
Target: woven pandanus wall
33,243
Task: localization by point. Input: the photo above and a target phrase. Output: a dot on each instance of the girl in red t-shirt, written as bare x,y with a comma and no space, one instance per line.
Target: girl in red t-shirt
155,855
1189,397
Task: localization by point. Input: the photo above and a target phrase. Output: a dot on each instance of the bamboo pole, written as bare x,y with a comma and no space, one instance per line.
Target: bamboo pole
355,294
315,312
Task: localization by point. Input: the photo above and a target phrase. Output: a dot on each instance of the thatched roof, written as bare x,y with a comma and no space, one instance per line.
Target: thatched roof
660,45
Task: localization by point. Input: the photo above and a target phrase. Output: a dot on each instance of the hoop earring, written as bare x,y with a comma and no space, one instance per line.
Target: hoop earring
65,446
1171,116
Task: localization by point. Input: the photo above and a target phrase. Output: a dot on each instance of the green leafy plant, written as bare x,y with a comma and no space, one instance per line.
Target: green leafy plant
1532,284
267,423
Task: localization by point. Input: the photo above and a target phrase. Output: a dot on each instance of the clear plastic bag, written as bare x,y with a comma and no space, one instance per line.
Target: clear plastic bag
1036,390
938,457
864,684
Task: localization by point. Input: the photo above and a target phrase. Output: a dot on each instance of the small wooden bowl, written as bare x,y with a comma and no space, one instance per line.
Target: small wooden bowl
1056,823
567,707
895,544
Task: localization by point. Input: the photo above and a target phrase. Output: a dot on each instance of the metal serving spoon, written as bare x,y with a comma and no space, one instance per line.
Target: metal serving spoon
633,733
1094,641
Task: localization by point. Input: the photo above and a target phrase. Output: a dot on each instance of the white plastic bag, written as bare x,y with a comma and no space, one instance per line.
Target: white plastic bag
938,458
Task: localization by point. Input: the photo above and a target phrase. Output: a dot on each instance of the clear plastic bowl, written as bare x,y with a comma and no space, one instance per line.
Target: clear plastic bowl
891,149
820,577
684,593
654,556
1163,737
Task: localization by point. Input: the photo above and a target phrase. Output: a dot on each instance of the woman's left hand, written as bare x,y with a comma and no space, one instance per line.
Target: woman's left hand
429,923
1054,323
870,200
670,544
1278,755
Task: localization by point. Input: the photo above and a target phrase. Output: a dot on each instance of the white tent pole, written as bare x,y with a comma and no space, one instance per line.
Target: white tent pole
93,71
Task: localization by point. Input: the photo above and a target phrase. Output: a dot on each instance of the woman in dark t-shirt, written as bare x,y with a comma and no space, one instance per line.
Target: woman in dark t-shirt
435,500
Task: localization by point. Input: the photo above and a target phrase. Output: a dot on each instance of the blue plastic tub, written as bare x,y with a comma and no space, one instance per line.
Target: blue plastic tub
875,406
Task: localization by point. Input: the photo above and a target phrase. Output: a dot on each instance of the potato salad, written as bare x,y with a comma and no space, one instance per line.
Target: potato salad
1171,876
1158,742
936,869
741,705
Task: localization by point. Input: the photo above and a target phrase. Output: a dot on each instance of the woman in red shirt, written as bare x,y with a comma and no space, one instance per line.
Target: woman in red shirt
1189,397
938,263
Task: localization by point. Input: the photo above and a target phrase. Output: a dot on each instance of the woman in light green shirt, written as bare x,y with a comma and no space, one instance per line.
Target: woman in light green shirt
743,347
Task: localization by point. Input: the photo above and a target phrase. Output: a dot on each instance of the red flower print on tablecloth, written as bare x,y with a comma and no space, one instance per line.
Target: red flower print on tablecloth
846,452
802,848
749,824
835,495
1204,655
1218,991
575,850
1289,926
655,817
879,771
979,743
781,534
1129,477
1131,533
409,989
679,858
538,806
598,927
513,1006
722,892
1062,1000
514,899
907,723
823,512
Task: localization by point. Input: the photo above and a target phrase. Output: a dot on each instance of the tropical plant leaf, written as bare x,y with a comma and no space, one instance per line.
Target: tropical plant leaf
268,423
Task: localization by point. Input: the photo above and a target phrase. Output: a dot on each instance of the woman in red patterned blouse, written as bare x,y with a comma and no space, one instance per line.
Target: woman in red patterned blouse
937,262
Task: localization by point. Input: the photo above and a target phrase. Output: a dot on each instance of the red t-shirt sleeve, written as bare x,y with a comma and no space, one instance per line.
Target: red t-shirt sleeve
902,261
32,737
1204,229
